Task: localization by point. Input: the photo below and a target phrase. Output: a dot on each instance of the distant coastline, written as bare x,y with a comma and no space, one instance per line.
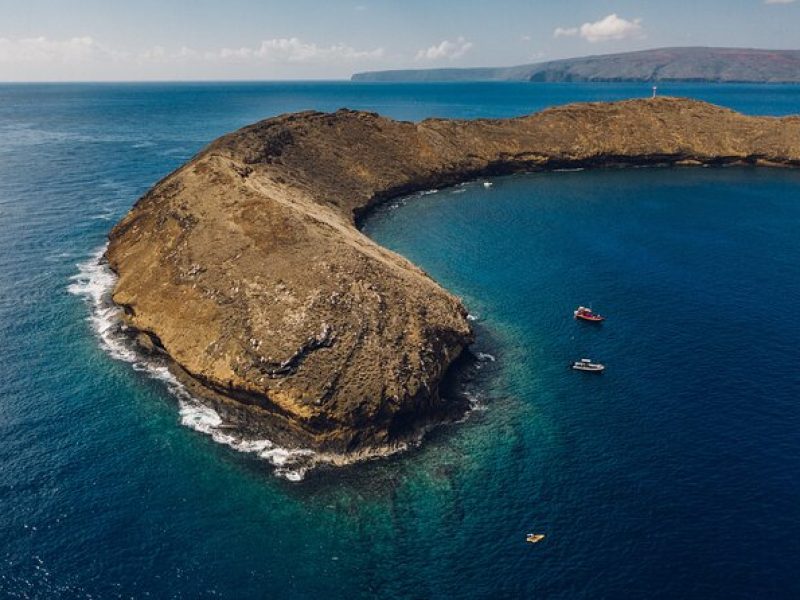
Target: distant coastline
695,64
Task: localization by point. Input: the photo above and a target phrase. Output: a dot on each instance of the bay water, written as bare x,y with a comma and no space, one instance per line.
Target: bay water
674,474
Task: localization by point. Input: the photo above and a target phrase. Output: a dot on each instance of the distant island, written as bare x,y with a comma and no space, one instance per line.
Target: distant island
721,65
246,267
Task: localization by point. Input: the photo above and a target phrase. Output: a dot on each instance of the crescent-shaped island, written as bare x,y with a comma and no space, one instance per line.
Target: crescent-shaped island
247,270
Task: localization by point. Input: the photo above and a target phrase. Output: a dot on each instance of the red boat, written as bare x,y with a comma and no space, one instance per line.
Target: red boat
586,314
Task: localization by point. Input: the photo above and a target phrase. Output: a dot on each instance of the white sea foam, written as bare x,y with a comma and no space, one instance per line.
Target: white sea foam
94,282
56,256
485,356
476,405
292,464
475,402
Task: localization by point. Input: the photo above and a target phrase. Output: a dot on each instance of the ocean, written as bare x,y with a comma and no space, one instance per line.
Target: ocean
676,473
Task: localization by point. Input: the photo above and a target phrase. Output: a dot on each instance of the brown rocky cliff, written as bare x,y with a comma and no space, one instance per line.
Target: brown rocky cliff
246,267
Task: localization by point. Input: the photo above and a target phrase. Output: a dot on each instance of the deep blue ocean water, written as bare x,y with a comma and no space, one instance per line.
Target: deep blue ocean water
674,474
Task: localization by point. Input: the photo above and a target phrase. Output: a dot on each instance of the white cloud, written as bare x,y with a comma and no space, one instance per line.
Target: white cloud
609,28
445,50
44,50
565,31
293,50
160,54
156,54
83,50
778,1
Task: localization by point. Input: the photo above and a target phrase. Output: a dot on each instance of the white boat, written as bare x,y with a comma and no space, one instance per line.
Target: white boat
585,364
487,184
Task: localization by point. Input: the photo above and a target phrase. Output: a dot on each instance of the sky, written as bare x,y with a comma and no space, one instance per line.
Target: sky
112,40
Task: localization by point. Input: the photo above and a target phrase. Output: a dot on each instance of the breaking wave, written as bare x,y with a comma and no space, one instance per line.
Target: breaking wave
94,282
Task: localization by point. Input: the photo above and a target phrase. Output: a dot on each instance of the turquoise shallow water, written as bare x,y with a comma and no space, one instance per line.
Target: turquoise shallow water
675,474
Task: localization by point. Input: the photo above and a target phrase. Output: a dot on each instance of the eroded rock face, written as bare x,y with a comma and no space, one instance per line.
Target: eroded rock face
246,267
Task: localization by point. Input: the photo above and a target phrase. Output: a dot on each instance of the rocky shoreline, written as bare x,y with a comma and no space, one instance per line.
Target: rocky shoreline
247,269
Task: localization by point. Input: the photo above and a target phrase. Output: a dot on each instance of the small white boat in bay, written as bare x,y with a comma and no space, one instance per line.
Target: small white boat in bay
586,364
